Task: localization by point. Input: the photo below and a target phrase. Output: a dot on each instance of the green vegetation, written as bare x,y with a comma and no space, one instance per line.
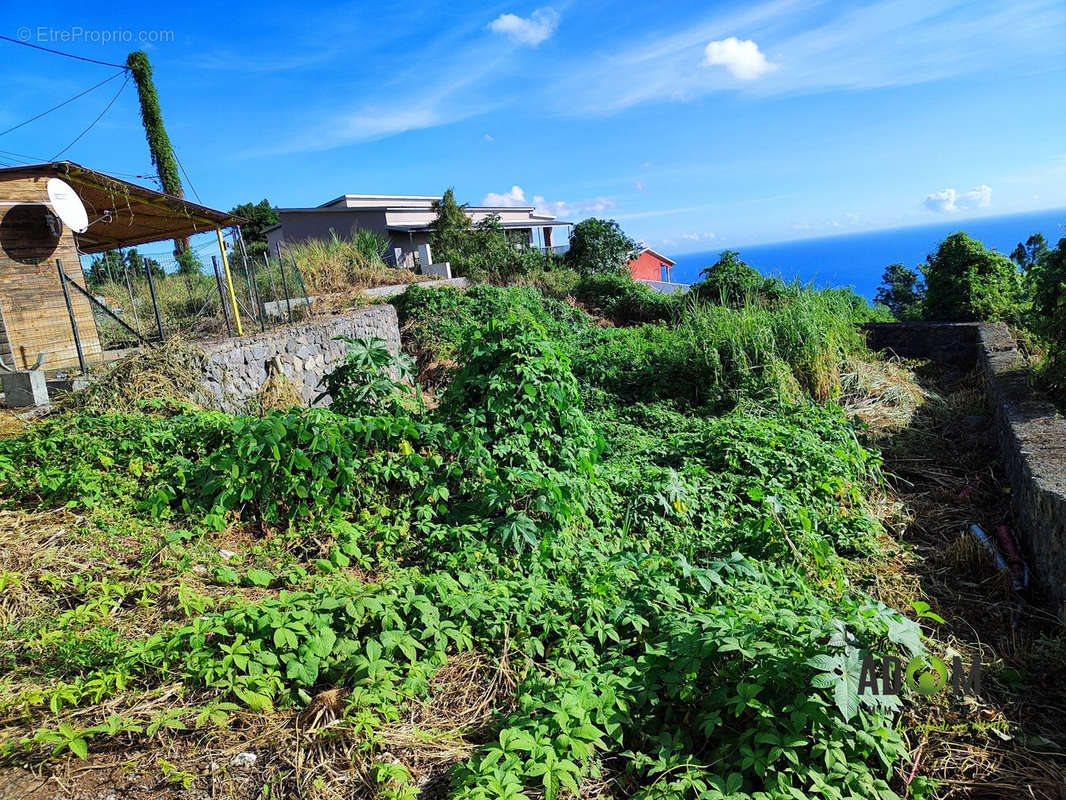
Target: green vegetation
345,264
901,292
1047,278
159,146
483,251
260,216
649,524
964,281
599,246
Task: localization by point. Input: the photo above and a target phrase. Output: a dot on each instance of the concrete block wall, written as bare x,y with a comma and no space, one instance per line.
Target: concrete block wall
237,368
1030,431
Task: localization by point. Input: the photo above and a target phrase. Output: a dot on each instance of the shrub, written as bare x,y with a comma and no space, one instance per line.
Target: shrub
599,246
730,281
965,282
626,302
1048,279
518,424
371,379
901,292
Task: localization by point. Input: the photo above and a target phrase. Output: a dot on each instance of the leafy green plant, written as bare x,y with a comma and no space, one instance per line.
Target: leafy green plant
371,379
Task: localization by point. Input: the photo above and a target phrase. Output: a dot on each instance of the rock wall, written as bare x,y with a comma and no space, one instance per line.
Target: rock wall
237,368
1030,431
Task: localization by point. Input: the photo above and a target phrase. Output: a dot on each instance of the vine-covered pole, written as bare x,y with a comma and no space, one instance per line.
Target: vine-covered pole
158,141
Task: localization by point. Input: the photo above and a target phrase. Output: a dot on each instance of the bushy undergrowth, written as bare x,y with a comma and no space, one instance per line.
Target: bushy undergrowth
707,355
671,581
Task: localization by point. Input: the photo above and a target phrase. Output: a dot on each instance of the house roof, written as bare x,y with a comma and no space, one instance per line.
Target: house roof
519,224
138,214
659,256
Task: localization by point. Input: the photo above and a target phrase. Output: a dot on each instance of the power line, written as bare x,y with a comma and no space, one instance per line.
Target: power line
93,123
65,102
61,53
188,180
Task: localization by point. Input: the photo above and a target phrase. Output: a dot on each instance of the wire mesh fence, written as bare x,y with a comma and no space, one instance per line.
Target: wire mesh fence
148,296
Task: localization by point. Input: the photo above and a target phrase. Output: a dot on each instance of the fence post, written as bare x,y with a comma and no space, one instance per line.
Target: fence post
229,283
70,310
221,294
155,300
284,283
239,239
129,290
300,278
259,310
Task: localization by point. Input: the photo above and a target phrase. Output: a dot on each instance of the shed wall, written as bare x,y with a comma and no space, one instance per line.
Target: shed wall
32,309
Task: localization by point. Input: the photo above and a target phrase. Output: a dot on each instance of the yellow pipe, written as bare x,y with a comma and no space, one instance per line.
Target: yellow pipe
229,282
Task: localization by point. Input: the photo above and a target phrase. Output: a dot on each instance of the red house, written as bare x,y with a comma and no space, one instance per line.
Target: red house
650,266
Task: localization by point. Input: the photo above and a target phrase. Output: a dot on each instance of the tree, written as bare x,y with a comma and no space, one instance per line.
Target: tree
1027,255
730,281
599,246
966,282
450,231
189,263
260,216
901,290
105,268
1048,278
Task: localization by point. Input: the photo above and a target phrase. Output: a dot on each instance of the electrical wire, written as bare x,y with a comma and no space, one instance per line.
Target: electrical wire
61,53
65,102
93,123
188,180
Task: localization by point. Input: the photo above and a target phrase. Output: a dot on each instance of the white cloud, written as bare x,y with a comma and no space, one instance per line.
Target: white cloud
947,201
819,47
639,185
597,206
557,208
741,57
488,137
706,236
530,30
514,197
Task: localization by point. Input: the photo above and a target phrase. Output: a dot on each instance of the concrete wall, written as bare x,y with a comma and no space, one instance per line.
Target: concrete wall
1030,431
237,368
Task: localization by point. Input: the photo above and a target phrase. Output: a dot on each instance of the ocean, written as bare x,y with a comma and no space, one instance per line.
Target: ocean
858,260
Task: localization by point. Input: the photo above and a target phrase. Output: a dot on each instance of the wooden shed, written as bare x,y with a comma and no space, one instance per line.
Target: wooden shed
33,313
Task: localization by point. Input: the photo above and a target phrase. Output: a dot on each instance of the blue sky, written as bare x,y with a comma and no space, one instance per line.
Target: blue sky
696,125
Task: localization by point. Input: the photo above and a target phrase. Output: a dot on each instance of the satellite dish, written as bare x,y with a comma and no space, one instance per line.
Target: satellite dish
67,205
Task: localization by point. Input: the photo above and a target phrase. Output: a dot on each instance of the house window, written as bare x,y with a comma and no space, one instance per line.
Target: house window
664,273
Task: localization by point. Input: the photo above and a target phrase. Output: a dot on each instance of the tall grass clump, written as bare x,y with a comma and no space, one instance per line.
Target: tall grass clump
715,355
341,264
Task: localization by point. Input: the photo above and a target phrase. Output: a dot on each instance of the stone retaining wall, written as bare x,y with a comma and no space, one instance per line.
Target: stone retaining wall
237,368
1031,433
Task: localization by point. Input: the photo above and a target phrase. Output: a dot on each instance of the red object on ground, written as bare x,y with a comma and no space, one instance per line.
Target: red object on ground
1013,556
649,266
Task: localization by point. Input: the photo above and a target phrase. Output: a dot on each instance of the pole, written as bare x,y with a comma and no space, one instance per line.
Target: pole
249,264
300,278
238,239
133,304
70,310
229,283
155,300
221,294
284,283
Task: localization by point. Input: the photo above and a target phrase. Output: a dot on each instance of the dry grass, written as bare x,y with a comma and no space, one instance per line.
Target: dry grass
942,475
168,372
